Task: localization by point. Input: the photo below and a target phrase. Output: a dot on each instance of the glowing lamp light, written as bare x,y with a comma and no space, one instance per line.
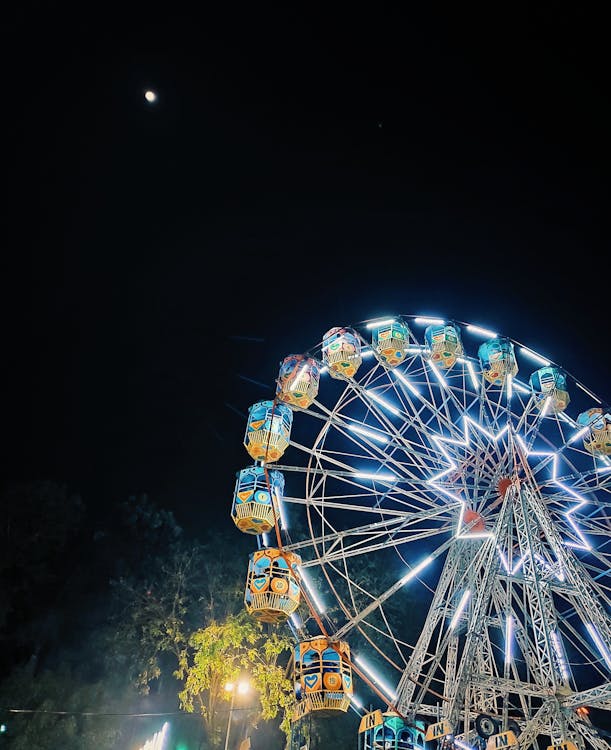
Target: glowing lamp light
150,96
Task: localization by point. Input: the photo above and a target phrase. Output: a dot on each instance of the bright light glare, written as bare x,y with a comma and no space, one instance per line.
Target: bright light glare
157,740
460,608
389,407
150,96
414,571
379,323
368,433
534,356
432,321
385,689
604,651
481,331
319,605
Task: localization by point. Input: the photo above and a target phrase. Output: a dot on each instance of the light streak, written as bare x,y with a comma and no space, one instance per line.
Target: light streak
383,402
521,387
560,655
431,321
580,500
369,475
459,610
508,639
366,668
590,394
379,323
301,372
604,651
402,379
481,331
438,375
319,605
368,433
534,356
414,571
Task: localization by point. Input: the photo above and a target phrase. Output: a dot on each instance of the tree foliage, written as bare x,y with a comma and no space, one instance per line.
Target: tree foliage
223,651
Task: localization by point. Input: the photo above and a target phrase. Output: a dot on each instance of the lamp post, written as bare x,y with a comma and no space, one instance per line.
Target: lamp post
242,688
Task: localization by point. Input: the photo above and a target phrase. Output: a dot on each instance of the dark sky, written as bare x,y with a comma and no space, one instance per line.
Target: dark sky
302,168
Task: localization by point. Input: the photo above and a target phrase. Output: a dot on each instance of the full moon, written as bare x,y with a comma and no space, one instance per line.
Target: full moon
150,96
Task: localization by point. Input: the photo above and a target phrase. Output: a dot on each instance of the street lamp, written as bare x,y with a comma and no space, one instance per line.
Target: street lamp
242,687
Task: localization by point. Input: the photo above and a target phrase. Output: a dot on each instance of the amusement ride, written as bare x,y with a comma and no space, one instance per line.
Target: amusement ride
431,503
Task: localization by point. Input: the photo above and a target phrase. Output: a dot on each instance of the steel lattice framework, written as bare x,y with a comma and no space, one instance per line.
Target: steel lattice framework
457,533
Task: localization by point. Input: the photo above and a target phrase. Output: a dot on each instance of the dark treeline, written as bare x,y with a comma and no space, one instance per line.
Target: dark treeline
105,616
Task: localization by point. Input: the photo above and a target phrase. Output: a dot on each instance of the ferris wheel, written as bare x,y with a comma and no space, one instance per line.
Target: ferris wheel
447,493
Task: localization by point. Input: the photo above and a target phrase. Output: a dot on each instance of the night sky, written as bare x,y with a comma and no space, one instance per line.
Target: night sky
301,168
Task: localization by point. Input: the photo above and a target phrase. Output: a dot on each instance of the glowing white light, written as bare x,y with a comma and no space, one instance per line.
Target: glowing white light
481,331
379,323
508,638
565,418
414,571
439,442
381,477
430,321
295,620
533,355
265,539
471,369
368,433
509,386
150,96
415,349
560,655
377,681
459,610
323,370
299,375
243,687
604,651
366,353
578,434
356,701
546,406
438,375
581,501
157,740
462,744
401,378
590,394
389,407
521,387
319,606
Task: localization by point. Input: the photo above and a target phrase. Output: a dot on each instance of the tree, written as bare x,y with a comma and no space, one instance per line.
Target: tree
218,654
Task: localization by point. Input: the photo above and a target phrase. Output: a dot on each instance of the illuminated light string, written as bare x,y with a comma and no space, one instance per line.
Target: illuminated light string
440,442
389,407
508,639
534,356
308,584
600,645
438,375
581,501
481,331
402,379
560,655
459,610
382,685
379,323
429,321
377,436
